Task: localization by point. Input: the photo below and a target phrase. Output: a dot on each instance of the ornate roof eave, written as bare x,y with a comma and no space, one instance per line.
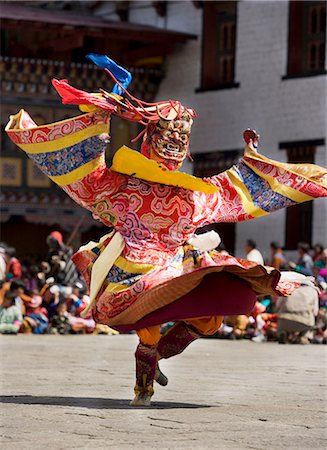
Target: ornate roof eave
13,15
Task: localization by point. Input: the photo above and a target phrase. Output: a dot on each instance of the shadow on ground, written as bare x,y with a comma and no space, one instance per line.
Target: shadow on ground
90,402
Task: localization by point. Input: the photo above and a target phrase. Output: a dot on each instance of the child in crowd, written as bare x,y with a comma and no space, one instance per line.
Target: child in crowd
60,321
10,315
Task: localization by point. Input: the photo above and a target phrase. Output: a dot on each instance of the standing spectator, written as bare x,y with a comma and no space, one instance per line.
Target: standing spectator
14,267
304,263
59,257
10,316
278,259
252,253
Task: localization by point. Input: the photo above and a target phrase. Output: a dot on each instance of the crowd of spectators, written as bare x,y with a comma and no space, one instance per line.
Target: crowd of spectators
299,318
45,296
48,296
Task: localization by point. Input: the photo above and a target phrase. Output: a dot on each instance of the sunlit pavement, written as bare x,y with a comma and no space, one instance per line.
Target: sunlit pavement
73,392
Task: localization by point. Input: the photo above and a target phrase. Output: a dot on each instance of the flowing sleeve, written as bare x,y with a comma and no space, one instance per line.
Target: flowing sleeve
257,186
71,153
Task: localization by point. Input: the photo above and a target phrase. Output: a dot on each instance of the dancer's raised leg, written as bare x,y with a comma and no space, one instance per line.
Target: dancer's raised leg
181,335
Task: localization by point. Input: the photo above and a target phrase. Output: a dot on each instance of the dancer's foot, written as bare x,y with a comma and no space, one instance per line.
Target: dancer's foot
160,377
143,399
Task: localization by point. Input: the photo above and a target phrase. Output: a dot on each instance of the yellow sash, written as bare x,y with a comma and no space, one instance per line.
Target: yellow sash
102,265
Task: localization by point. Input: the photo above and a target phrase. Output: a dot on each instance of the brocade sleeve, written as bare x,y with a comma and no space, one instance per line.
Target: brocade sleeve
70,152
257,186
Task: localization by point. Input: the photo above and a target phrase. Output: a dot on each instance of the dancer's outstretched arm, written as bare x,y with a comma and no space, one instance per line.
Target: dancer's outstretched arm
71,153
257,186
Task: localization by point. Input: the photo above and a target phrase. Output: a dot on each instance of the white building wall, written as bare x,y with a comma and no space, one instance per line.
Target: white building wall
280,110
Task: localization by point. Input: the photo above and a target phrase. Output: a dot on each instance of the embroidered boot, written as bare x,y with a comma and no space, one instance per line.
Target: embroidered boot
146,361
173,342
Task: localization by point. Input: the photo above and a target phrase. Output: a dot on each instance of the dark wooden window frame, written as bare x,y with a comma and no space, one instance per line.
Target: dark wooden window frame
218,46
209,164
299,218
301,39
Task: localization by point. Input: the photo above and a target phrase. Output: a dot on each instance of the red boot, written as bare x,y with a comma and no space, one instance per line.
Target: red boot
175,341
146,362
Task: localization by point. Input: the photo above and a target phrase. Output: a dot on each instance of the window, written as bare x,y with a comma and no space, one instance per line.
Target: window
219,45
207,165
299,217
307,38
212,163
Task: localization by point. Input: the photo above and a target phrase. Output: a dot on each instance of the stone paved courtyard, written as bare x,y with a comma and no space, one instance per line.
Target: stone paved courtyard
73,392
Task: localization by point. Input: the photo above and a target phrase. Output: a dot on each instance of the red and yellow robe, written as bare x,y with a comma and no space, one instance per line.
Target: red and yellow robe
154,212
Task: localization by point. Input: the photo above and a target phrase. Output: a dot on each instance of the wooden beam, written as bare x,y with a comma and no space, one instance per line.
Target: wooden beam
64,43
149,51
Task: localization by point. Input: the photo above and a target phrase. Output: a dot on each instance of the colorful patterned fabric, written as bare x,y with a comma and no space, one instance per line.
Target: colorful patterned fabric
156,212
65,151
263,196
64,161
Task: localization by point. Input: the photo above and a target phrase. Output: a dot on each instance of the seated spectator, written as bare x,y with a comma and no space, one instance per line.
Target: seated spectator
257,324
238,324
76,303
36,320
297,313
51,298
320,329
32,278
5,286
10,316
17,287
60,321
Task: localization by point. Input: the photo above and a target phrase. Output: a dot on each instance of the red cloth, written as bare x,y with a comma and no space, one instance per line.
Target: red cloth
73,96
218,294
